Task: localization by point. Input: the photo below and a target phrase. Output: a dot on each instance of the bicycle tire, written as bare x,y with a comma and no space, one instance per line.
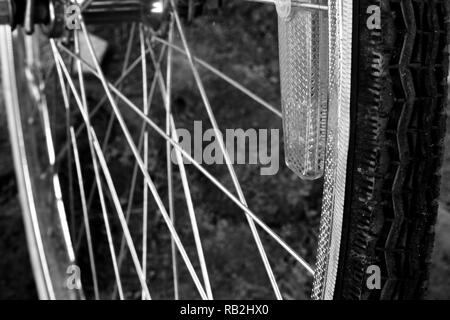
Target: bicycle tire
399,96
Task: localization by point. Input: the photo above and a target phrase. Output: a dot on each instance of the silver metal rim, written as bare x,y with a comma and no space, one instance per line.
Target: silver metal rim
341,32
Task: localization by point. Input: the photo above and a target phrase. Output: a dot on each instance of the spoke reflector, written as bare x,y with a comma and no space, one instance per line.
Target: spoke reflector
303,41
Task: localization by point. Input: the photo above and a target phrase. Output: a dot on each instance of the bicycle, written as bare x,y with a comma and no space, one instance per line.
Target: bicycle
364,92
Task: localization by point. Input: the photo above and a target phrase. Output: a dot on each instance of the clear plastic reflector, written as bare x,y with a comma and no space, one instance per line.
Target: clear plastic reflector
303,41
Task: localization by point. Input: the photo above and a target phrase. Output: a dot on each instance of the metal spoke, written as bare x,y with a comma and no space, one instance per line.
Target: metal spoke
169,163
145,107
85,213
121,256
70,172
205,172
228,162
85,4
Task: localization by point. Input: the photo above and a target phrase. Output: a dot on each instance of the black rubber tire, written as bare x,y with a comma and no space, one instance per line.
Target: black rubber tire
399,97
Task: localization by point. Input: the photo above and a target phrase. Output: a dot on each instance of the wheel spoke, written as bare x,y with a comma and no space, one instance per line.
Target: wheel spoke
70,172
85,213
169,163
145,107
84,3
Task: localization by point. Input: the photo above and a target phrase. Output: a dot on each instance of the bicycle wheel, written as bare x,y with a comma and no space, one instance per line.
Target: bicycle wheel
398,145
78,187
398,111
